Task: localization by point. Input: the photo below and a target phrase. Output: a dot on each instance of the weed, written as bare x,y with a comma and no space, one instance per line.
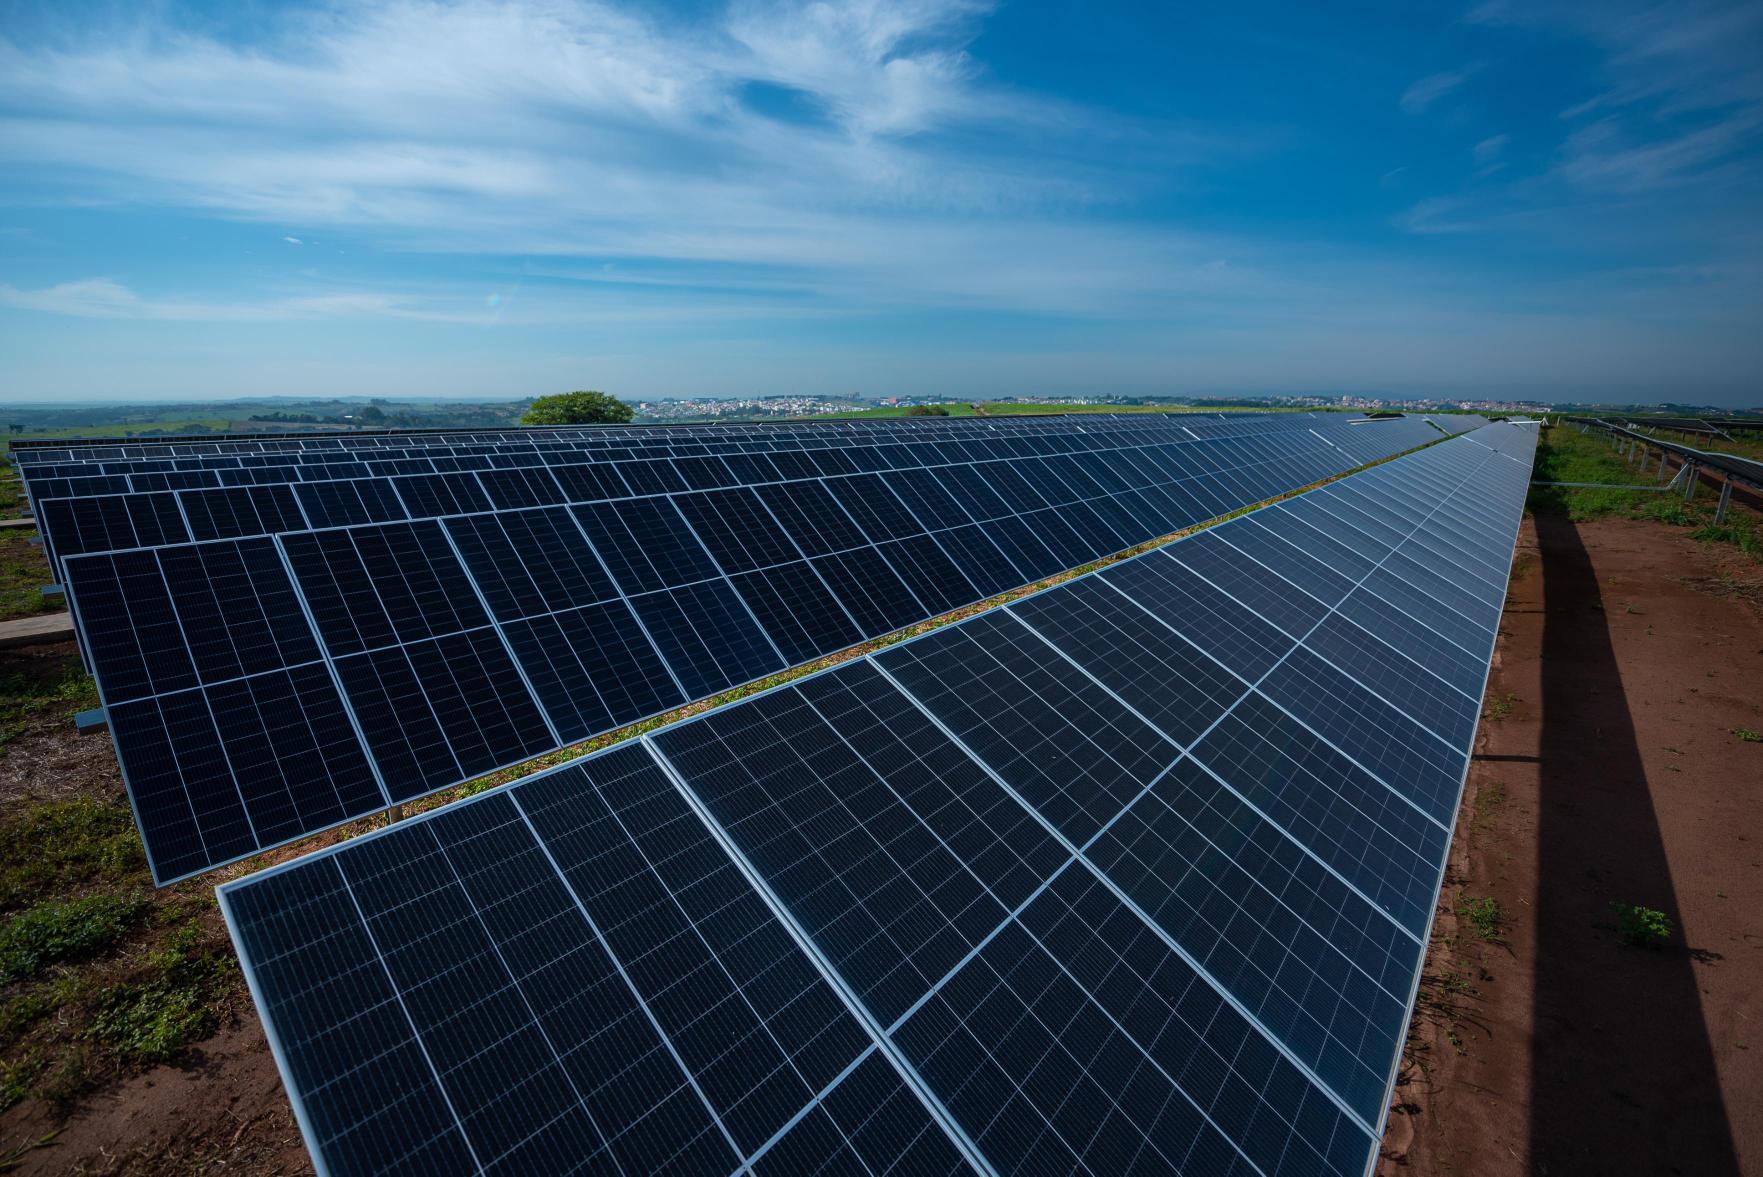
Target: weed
1500,706
1456,983
58,846
16,1077
1642,927
1748,735
14,1158
154,1019
55,931
24,698
1485,916
23,573
1488,800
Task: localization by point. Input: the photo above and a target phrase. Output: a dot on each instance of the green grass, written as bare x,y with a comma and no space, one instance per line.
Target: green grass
133,429
1643,927
1500,706
39,690
1484,916
56,848
1566,455
1744,444
175,1001
101,975
1489,799
1748,735
55,931
23,573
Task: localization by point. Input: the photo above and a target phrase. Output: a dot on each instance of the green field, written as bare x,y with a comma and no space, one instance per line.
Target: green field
1566,455
181,425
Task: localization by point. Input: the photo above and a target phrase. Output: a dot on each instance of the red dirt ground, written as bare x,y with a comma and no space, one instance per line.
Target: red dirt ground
1628,656
223,1109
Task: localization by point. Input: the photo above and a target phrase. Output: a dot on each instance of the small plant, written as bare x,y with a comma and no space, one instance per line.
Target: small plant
1748,735
1500,706
153,1020
56,931
1485,916
1488,800
1643,927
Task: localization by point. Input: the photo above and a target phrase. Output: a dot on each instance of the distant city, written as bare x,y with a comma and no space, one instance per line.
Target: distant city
741,408
298,414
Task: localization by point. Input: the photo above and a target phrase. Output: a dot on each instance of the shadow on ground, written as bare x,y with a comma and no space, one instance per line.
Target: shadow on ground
1623,1077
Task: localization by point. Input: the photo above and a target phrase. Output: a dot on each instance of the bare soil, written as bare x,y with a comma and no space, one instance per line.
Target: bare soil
1609,769
222,1108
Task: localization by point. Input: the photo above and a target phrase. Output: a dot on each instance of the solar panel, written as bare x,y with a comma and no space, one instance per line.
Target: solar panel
273,499
1154,942
394,443
458,645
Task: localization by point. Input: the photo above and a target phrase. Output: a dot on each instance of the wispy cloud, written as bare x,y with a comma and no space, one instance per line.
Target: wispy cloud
1680,88
1419,96
1436,214
1489,149
1604,157
584,128
105,298
1489,155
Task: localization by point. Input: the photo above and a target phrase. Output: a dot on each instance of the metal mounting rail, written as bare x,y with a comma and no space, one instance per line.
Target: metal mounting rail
1731,467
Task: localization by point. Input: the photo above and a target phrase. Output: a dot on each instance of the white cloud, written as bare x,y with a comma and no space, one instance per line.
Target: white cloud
106,298
1428,90
1437,214
1679,90
1489,155
1490,149
293,241
1605,158
584,128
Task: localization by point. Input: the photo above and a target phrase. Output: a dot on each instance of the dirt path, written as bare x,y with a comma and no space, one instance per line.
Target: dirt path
1607,771
222,1110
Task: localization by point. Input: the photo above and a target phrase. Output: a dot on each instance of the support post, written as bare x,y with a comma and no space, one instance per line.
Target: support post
1689,482
1725,499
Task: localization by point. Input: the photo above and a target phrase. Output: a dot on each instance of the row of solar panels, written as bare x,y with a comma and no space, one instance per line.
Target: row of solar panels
869,449
652,442
261,689
1133,875
757,434
150,514
747,432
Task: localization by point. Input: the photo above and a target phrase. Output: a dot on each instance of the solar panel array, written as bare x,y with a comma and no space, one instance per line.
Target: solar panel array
138,503
160,466
1133,875
264,688
41,453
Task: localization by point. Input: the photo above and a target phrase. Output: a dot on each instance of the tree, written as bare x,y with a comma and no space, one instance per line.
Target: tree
928,411
578,408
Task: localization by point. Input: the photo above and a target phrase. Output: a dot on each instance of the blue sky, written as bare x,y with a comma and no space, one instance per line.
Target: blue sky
926,196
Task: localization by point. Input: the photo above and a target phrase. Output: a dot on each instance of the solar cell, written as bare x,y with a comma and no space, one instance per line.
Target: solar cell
560,621
583,476
1178,934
